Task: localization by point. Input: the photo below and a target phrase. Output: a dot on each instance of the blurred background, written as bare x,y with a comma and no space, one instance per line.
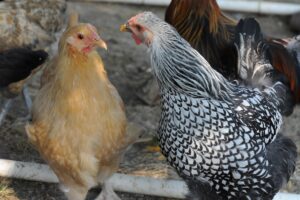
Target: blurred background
39,23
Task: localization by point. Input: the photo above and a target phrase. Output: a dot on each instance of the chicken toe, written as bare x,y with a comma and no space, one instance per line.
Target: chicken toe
107,193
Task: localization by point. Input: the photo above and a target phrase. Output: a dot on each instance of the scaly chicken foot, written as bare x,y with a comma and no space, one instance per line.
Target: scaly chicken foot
107,193
74,193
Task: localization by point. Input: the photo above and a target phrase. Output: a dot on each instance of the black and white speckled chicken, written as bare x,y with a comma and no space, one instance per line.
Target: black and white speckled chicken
222,138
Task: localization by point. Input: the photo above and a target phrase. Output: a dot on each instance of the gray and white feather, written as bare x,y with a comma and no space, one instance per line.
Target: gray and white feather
214,133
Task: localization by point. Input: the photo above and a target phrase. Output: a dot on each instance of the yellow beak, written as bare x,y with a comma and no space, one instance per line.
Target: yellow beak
124,28
100,43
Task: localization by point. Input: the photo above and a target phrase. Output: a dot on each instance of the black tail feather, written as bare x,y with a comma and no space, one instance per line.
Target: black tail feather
253,67
248,27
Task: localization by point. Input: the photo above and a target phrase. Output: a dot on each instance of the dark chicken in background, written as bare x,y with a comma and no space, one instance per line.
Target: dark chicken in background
207,29
221,137
292,45
211,33
16,65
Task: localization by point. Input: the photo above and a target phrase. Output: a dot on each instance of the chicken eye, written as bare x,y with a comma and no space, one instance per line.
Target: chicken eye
80,36
138,27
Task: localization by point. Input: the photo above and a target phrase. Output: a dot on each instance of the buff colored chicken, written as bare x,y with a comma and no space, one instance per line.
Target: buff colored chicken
78,120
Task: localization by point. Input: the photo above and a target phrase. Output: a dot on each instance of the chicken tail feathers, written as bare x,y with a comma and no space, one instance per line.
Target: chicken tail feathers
261,64
252,67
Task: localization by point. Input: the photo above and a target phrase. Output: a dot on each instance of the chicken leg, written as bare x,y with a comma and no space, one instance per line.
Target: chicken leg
4,109
107,193
27,98
28,103
76,194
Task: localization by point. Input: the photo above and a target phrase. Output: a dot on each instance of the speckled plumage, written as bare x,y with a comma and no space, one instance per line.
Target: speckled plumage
220,142
218,135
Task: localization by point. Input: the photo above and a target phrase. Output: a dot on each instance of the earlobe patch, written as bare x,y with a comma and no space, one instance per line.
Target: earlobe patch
70,40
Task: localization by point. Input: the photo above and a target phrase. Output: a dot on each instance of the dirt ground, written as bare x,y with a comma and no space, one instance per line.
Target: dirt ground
128,69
